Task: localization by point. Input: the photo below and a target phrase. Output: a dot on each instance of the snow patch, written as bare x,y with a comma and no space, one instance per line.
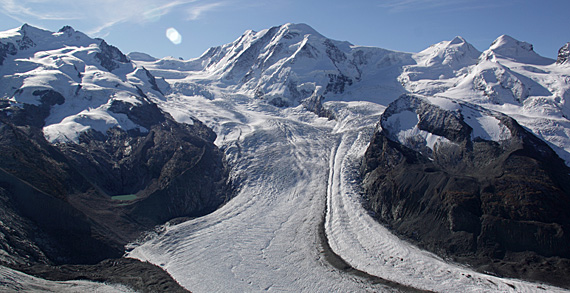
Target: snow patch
15,281
404,127
485,126
444,103
100,119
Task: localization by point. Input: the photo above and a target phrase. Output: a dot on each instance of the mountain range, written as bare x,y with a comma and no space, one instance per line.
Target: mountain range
460,152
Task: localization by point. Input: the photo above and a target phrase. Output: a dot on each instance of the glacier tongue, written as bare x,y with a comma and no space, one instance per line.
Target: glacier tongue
267,237
292,168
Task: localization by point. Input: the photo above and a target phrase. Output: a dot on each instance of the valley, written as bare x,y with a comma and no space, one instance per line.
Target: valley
242,170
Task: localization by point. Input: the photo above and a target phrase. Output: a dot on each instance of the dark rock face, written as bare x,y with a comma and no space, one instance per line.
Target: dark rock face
152,81
500,206
35,115
25,42
35,182
6,49
563,54
314,104
58,199
110,55
140,276
337,83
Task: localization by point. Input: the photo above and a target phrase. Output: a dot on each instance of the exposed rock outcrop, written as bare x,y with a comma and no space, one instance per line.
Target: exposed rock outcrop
314,104
110,56
498,202
563,54
6,49
139,276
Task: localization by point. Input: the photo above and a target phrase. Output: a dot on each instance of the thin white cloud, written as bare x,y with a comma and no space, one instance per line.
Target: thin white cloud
19,11
99,16
415,5
197,11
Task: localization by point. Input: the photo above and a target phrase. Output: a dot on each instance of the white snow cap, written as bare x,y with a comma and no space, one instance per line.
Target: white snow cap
403,122
509,47
455,53
138,56
301,28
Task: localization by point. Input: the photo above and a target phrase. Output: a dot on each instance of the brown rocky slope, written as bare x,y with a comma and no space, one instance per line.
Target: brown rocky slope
501,206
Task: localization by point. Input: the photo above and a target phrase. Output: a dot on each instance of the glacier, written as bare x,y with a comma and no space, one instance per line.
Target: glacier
293,167
296,174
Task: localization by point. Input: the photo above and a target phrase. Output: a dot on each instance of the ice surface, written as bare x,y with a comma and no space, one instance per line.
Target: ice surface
402,121
404,127
292,168
71,127
266,238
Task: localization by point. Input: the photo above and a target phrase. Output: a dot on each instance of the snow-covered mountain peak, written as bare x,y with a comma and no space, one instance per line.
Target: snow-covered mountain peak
439,67
139,56
27,36
510,48
508,45
71,33
455,53
74,83
300,29
457,40
282,65
33,32
67,29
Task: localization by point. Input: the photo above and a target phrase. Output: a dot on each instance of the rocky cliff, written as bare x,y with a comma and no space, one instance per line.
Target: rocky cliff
471,185
108,188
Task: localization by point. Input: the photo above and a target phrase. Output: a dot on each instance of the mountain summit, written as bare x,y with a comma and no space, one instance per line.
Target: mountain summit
455,54
510,48
286,64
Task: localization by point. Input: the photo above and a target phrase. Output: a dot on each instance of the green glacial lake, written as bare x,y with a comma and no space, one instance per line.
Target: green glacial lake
124,197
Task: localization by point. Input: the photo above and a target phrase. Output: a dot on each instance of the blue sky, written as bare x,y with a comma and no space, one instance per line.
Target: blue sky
402,25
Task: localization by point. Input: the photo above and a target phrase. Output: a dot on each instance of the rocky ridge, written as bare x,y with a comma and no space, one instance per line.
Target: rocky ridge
563,54
498,202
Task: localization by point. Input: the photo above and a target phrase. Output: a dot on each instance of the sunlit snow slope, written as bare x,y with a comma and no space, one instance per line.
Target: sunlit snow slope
88,75
286,64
